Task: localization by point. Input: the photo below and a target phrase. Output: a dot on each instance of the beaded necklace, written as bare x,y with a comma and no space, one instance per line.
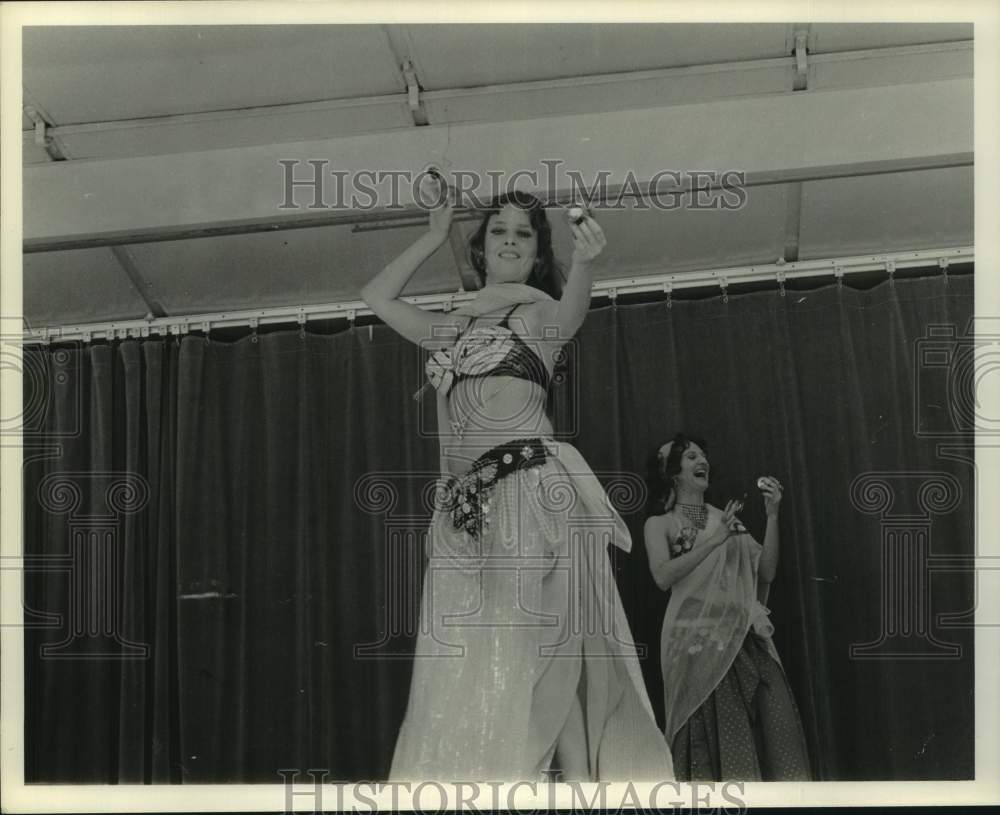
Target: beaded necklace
695,514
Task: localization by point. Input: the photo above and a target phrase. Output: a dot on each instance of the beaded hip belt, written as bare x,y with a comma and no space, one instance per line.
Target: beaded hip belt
466,499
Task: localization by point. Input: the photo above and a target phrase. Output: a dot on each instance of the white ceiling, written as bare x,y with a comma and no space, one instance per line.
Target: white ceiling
101,83
96,74
107,73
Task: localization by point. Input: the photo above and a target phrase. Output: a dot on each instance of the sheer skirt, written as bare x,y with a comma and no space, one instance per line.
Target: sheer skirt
520,617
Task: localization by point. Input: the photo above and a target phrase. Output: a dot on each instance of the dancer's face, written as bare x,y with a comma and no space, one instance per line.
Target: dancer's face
694,469
510,246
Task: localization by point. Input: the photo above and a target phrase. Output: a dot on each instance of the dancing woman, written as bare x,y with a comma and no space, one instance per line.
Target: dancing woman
730,714
524,662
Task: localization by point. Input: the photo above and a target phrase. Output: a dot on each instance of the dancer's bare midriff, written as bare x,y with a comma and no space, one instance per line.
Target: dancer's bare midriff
489,411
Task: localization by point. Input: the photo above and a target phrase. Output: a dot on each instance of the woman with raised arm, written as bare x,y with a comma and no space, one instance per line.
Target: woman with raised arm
524,662
730,714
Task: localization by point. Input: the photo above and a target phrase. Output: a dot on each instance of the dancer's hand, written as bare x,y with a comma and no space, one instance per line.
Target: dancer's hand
588,240
434,190
772,490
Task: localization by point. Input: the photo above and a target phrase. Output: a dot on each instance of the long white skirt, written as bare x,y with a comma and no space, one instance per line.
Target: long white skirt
517,623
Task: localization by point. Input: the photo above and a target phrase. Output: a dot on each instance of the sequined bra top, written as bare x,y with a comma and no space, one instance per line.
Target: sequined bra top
494,350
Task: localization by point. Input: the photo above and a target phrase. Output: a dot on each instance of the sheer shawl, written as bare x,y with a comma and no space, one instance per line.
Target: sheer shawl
709,614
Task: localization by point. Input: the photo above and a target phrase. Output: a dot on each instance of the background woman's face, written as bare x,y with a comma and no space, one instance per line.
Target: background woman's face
510,246
694,468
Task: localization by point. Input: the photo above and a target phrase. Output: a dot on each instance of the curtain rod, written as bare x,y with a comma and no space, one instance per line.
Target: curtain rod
602,289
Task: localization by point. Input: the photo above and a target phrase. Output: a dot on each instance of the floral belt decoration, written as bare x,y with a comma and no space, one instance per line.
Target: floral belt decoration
466,497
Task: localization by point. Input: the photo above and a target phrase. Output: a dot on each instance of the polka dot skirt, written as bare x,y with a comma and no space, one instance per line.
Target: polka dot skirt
748,729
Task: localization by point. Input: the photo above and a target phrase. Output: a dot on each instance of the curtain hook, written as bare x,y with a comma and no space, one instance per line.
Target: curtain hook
943,264
352,315
781,284
613,297
724,285
302,324
890,267
253,326
668,289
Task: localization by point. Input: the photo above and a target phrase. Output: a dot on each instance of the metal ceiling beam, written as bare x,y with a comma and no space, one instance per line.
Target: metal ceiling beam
616,91
135,277
773,139
43,135
722,279
413,216
793,203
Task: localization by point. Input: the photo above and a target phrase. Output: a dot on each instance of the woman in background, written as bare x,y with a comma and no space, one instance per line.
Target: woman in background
524,661
730,714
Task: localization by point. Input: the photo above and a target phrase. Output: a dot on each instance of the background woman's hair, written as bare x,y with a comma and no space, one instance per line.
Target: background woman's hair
661,471
546,274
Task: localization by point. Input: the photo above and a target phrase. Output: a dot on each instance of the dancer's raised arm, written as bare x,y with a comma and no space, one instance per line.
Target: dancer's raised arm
382,293
569,312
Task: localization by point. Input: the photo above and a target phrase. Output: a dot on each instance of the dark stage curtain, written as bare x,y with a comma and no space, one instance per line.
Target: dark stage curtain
230,533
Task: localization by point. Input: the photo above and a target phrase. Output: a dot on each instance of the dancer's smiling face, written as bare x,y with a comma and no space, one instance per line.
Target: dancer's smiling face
509,246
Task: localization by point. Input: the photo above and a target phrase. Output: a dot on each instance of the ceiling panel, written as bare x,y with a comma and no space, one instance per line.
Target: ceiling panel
453,56
77,286
288,268
144,71
333,263
105,73
651,241
898,211
829,37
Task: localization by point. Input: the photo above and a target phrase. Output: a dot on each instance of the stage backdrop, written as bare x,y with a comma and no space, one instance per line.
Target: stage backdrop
229,533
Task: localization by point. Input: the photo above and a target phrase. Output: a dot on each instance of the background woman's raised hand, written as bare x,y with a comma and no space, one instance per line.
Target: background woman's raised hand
729,525
772,490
